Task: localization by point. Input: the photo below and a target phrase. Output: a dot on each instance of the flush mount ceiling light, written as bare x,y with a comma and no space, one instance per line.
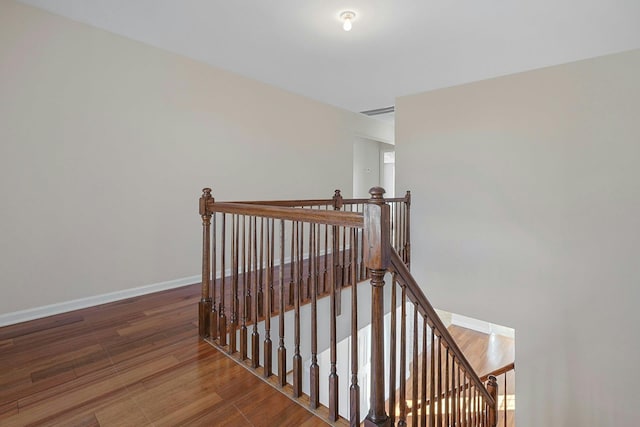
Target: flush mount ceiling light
347,17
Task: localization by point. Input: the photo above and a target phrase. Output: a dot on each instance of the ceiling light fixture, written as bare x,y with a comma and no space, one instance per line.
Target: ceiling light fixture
347,17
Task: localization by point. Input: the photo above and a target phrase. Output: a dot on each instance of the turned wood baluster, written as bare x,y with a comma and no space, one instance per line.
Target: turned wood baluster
423,401
459,391
297,358
340,278
272,266
462,398
333,375
400,226
439,385
223,275
479,409
394,224
393,346
255,335
291,266
268,356
395,212
465,400
301,281
309,262
361,268
338,269
377,255
318,267
402,416
407,245
235,224
446,386
454,392
504,399
282,351
243,327
335,256
354,396
213,320
433,406
250,268
314,369
473,406
261,277
325,273
470,404
348,266
204,307
414,370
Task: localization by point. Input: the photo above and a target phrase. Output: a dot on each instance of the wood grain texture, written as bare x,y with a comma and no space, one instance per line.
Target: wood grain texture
486,354
134,362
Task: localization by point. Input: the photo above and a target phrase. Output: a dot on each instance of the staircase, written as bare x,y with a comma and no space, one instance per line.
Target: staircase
290,281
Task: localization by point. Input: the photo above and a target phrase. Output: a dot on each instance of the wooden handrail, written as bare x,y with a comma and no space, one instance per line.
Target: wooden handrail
387,199
313,202
288,203
497,372
426,309
334,218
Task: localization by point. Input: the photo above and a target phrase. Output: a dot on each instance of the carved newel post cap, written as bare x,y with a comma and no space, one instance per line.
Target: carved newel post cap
337,200
376,193
205,199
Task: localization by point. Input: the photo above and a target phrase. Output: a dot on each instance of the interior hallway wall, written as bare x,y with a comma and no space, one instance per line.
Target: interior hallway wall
526,213
368,168
106,144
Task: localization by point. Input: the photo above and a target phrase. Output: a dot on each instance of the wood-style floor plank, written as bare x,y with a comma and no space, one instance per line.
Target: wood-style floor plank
135,362
140,362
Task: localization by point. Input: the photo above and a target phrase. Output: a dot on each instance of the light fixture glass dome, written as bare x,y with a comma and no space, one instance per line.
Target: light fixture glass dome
347,17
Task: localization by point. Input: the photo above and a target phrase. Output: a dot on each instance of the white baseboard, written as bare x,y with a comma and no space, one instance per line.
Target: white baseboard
63,307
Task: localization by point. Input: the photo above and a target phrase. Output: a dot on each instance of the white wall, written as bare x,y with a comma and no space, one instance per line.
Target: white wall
106,143
526,213
367,166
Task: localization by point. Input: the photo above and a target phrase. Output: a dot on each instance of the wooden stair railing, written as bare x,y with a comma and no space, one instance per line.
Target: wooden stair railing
275,260
450,388
506,409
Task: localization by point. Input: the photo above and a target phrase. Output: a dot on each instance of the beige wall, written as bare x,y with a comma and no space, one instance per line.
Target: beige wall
526,213
106,144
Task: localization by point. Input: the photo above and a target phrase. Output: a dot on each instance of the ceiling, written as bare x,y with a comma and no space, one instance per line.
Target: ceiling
396,47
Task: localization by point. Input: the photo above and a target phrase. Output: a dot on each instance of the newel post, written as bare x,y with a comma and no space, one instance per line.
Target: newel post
377,256
337,200
204,308
492,410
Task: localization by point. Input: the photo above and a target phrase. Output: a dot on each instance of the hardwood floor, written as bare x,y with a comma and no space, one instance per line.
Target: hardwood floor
131,363
139,362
